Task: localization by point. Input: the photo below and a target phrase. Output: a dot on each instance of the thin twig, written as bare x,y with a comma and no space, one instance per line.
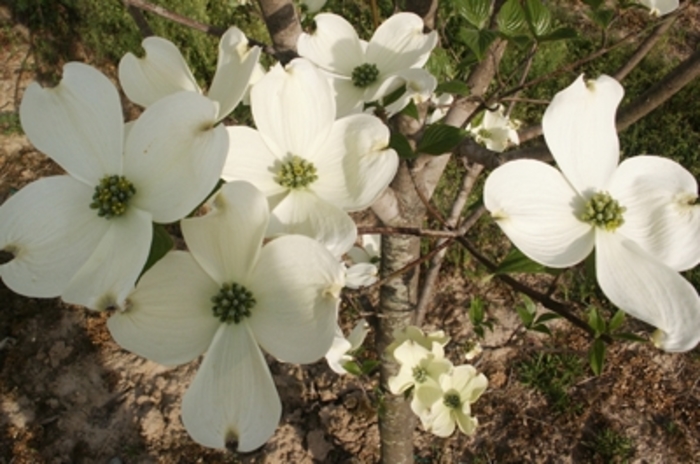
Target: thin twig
139,19
417,231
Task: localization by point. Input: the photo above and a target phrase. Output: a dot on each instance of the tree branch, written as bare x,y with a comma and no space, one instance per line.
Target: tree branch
284,27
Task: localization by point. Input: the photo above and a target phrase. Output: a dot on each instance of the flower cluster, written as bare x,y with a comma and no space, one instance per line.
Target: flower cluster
263,270
442,393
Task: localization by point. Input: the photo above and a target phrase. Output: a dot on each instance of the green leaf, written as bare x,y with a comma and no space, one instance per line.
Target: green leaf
476,311
596,356
411,110
399,142
516,261
602,17
454,88
511,19
526,316
629,337
478,41
352,368
538,17
393,96
546,317
477,12
542,329
369,366
617,320
439,138
562,33
161,243
596,322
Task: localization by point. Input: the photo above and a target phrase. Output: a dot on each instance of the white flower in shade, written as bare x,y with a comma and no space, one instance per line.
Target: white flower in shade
451,401
473,350
660,7
420,85
228,298
86,236
441,103
163,71
362,270
419,367
417,335
495,131
366,71
339,354
640,216
312,168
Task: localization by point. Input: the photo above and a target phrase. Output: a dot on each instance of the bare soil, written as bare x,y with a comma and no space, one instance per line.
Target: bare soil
69,394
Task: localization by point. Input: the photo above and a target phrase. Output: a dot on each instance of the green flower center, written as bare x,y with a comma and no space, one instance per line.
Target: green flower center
603,211
420,374
452,400
296,173
485,134
365,75
111,197
232,303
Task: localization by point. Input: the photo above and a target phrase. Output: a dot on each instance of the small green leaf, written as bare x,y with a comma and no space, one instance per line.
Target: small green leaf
352,368
525,316
369,366
602,17
411,110
562,33
161,243
454,88
546,317
538,17
516,261
511,19
629,337
596,322
478,41
439,138
399,142
477,12
542,329
476,311
393,96
617,320
596,356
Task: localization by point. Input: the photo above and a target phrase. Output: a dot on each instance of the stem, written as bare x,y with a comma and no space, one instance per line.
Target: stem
175,17
284,27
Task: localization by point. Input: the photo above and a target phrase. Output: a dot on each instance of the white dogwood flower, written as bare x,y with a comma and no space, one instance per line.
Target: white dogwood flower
312,168
417,335
229,297
86,236
660,7
339,354
363,71
496,131
640,216
163,71
451,401
418,367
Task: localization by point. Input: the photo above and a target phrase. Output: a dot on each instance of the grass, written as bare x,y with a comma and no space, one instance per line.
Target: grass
610,446
552,374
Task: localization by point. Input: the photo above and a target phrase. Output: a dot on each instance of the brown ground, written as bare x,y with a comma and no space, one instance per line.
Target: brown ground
68,393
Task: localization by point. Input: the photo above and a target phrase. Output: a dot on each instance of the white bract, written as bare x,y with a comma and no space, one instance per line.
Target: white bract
163,71
229,297
640,216
363,71
339,354
451,401
660,7
362,271
86,236
312,6
312,168
441,103
496,131
420,85
417,335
